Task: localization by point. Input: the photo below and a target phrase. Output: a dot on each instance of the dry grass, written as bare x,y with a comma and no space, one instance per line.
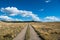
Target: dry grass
10,30
49,31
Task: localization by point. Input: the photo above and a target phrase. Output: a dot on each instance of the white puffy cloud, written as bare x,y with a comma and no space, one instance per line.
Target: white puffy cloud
12,11
51,19
6,18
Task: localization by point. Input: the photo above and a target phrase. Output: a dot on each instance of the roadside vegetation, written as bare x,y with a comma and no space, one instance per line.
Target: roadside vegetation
49,31
8,31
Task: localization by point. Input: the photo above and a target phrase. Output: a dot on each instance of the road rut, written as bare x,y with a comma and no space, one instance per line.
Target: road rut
21,35
33,34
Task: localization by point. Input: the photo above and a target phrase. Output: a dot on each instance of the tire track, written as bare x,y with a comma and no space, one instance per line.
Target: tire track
33,34
21,35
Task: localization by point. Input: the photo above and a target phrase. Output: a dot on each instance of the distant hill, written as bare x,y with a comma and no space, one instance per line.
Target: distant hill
19,21
23,21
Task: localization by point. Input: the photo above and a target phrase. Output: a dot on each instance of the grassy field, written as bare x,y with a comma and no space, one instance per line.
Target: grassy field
10,30
49,31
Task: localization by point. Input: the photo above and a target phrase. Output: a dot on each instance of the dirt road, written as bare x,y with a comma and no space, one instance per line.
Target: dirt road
33,35
21,35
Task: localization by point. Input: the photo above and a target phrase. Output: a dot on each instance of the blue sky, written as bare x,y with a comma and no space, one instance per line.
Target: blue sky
26,10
